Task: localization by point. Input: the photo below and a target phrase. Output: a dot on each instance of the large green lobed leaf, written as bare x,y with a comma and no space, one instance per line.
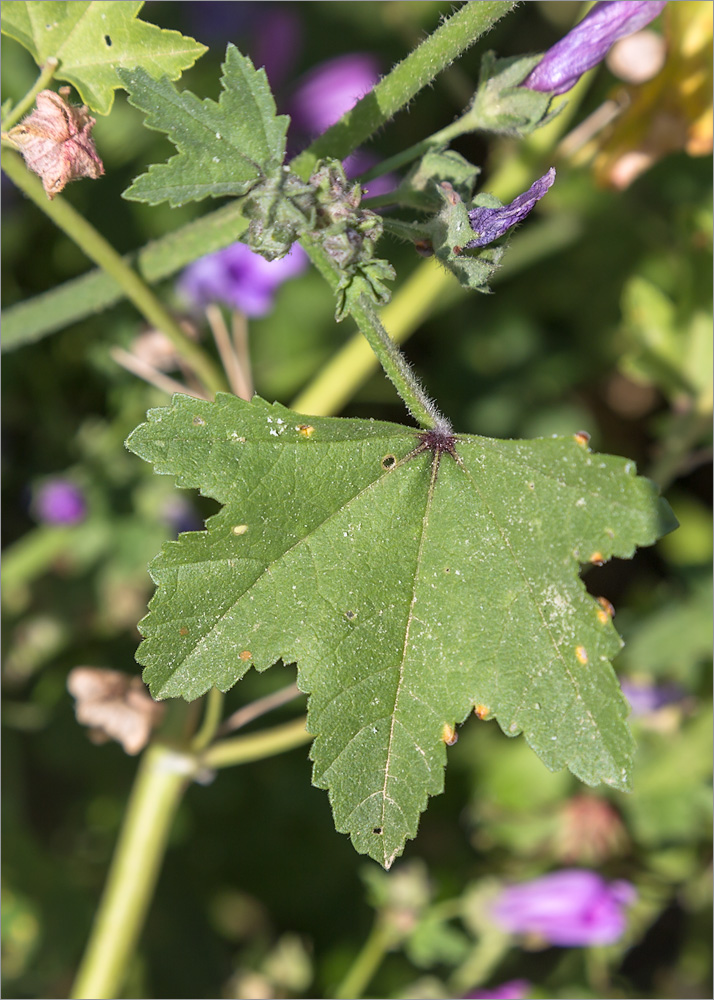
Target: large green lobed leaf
224,147
93,40
409,586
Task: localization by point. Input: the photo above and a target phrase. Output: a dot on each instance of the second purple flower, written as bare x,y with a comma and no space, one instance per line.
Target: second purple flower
569,908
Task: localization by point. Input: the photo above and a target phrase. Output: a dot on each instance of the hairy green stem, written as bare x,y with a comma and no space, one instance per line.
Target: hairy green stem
438,51
335,383
385,350
73,300
24,105
396,367
368,960
162,778
93,244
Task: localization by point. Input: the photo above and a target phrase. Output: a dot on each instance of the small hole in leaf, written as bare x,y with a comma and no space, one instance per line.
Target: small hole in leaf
108,41
198,421
446,569
377,830
350,614
389,461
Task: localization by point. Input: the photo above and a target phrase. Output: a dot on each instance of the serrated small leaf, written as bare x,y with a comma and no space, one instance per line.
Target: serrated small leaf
366,279
409,584
224,147
94,40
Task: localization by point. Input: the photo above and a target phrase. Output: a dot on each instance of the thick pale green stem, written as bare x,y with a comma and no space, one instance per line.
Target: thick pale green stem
480,963
24,105
102,253
437,52
160,783
370,957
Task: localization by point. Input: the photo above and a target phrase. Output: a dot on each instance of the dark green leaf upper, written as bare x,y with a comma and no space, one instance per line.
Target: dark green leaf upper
224,147
408,584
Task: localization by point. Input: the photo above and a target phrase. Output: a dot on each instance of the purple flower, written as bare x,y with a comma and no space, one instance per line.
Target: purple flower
490,223
646,698
569,908
514,989
588,43
239,278
58,501
324,94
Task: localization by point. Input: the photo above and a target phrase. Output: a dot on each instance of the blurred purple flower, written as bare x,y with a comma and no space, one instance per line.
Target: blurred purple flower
326,92
514,989
277,42
58,501
271,33
239,278
568,908
490,223
181,514
646,698
588,43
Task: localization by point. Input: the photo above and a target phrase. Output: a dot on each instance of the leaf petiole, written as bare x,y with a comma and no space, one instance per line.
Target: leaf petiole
267,743
211,720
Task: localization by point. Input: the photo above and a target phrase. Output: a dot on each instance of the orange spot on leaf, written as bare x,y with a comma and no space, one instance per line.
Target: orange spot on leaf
482,711
246,655
581,654
606,611
449,734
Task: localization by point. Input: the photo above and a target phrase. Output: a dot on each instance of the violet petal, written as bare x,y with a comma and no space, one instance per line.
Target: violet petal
569,908
239,278
490,223
588,43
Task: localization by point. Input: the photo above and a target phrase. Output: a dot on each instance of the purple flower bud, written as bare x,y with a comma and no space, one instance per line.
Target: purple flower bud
329,90
514,989
490,223
239,278
588,43
568,908
58,501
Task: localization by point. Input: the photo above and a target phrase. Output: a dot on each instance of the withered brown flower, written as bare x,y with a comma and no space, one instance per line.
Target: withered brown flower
55,140
115,705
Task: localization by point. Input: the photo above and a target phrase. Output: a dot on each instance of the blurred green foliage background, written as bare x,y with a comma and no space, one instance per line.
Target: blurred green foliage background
608,330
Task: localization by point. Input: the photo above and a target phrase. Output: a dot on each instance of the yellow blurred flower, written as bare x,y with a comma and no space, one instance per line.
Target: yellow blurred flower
671,112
